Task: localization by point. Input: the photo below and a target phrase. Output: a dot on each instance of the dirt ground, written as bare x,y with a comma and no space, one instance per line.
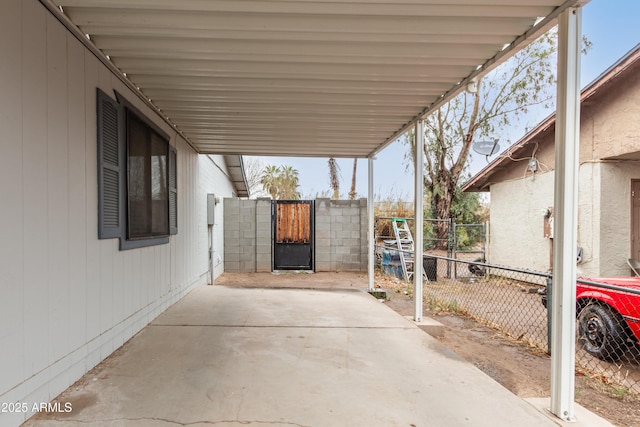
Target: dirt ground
524,371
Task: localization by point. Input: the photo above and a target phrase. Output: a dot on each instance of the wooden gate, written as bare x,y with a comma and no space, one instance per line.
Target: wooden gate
293,234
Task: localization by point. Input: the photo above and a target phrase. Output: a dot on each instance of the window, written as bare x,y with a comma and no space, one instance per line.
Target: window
136,177
147,194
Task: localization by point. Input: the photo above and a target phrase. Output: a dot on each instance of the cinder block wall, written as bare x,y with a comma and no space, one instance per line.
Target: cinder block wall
340,235
239,235
263,234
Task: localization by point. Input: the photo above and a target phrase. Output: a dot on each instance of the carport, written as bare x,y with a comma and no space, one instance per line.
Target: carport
341,79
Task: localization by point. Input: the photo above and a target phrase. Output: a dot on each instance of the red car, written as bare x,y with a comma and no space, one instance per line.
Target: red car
608,319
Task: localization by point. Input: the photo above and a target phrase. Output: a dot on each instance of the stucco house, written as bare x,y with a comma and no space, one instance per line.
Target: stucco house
521,182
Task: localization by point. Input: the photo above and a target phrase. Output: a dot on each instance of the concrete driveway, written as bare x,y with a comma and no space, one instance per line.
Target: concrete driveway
287,357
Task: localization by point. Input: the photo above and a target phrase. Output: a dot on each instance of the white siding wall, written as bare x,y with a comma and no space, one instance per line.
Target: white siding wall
516,226
213,181
67,299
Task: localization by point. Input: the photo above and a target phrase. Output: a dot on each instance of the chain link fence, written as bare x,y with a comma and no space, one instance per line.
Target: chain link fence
514,302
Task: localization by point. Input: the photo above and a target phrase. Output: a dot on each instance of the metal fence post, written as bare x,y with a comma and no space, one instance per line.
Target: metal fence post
450,245
549,311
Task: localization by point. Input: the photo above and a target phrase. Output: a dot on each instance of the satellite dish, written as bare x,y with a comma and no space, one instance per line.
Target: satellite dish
486,148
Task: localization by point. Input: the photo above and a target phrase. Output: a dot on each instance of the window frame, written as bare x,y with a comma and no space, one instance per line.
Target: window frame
107,197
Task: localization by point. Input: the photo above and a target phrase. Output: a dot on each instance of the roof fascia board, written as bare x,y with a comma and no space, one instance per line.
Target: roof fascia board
234,164
619,67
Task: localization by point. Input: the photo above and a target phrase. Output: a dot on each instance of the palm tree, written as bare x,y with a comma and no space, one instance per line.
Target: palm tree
271,180
289,183
334,178
281,182
352,192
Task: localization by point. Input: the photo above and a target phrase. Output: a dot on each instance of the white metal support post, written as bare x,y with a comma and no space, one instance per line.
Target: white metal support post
372,236
418,238
563,309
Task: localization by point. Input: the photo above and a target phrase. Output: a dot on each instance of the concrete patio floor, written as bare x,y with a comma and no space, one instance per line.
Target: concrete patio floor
287,357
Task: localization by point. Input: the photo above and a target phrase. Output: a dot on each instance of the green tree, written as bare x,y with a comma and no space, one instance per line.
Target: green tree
271,180
484,109
289,184
281,182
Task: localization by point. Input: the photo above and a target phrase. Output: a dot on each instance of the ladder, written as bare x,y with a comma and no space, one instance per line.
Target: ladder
406,249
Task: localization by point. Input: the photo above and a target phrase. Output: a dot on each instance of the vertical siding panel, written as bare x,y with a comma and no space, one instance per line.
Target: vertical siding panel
184,247
118,284
11,194
183,198
154,272
127,290
106,292
136,281
160,284
116,308
77,111
34,132
92,322
123,288
166,258
186,241
58,191
107,248
144,281
148,255
190,254
198,263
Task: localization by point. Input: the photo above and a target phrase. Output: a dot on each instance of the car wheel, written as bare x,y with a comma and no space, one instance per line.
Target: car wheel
601,332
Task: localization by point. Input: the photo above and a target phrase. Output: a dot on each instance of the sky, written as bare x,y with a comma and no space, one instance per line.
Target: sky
612,27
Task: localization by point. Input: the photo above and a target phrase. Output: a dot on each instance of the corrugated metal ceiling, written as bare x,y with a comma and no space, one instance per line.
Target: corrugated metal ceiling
302,77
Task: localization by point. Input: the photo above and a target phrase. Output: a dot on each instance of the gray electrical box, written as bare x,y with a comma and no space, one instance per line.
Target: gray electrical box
211,209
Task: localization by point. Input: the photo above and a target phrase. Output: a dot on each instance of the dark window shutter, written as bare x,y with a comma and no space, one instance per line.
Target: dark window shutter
110,167
173,191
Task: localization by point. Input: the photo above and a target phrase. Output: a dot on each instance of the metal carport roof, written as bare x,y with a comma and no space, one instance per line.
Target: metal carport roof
301,77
